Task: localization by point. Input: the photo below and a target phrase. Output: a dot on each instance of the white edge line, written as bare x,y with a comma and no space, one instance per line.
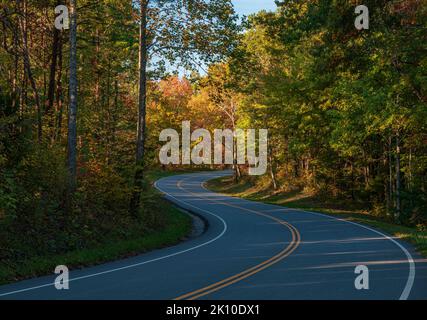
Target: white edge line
404,296
411,278
141,263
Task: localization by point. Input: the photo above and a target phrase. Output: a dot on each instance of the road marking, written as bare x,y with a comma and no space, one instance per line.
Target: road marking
411,277
136,264
295,242
405,294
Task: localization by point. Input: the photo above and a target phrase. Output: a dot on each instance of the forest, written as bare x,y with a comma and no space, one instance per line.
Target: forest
81,110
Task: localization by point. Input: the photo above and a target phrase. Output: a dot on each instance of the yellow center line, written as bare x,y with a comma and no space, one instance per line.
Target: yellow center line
296,240
245,274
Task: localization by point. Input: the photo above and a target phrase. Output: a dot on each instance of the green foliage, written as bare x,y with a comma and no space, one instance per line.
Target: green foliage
345,108
260,191
40,216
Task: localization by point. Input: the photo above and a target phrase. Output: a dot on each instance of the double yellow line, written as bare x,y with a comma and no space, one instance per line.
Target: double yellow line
296,240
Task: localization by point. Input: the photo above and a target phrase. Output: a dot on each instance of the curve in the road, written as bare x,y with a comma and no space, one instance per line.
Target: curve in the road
411,277
295,242
136,264
251,251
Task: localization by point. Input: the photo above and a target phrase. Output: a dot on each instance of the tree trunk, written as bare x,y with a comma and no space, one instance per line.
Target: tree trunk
23,93
410,179
272,169
97,70
398,178
353,195
236,166
52,75
109,116
72,112
59,94
27,66
390,171
286,157
142,103
15,72
114,116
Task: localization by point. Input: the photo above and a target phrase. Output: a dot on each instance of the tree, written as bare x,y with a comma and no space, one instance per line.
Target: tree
185,32
52,75
72,111
341,104
224,97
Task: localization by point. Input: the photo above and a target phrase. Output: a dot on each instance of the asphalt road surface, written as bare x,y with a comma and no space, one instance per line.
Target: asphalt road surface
249,251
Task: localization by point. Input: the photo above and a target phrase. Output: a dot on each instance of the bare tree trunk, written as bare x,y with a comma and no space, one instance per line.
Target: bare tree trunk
72,112
142,110
353,195
272,169
410,179
15,72
23,93
236,166
52,75
286,157
114,116
385,180
27,66
109,116
59,93
390,171
398,177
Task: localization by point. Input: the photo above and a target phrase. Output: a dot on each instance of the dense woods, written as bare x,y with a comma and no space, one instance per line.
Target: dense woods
346,109
81,110
73,118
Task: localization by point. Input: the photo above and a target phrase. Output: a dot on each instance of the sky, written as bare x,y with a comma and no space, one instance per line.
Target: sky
246,7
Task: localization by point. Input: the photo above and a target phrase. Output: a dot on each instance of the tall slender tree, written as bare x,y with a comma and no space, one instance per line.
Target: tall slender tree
142,109
72,112
185,32
52,75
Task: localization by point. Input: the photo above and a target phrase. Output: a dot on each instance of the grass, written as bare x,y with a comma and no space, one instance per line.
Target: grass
351,211
177,226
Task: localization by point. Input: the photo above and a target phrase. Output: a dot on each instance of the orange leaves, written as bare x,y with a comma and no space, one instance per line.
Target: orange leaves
174,87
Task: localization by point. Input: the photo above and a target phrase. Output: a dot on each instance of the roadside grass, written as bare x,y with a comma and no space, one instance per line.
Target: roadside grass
300,200
175,226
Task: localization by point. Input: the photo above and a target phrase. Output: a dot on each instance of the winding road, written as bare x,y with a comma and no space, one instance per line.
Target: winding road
250,251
